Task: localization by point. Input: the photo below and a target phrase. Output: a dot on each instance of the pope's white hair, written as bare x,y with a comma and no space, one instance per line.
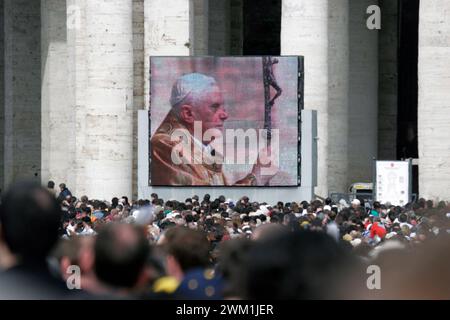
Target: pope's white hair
190,88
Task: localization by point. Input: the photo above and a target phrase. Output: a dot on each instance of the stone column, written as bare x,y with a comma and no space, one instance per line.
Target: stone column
338,94
219,28
236,27
139,81
318,30
199,33
22,90
434,100
167,32
363,94
139,53
388,81
2,92
100,52
57,122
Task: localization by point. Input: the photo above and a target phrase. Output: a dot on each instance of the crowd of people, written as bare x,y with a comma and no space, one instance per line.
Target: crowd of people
54,245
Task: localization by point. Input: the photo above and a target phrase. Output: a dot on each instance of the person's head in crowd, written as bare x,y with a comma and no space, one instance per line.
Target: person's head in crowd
333,213
124,201
113,215
422,203
215,204
96,205
316,206
441,205
376,208
245,219
84,199
166,225
290,221
114,202
29,221
121,251
169,205
305,204
295,207
62,186
140,203
294,265
286,210
403,218
78,251
186,249
356,203
316,225
358,215
392,216
231,262
275,219
215,234
51,188
51,185
269,230
103,206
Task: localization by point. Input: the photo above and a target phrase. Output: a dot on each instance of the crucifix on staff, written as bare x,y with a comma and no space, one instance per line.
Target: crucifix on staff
269,81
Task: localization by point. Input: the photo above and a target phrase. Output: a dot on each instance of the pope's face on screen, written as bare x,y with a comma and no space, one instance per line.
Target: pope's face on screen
208,109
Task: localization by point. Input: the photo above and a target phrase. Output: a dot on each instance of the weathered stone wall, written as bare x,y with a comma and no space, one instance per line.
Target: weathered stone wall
434,99
338,94
219,28
22,90
363,94
236,27
139,75
58,116
319,31
304,31
101,91
388,81
199,27
2,91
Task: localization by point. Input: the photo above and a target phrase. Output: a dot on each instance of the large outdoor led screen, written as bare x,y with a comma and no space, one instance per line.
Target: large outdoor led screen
225,121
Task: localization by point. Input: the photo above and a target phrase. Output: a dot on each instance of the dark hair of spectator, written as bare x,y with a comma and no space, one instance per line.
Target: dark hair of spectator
121,251
189,247
29,218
